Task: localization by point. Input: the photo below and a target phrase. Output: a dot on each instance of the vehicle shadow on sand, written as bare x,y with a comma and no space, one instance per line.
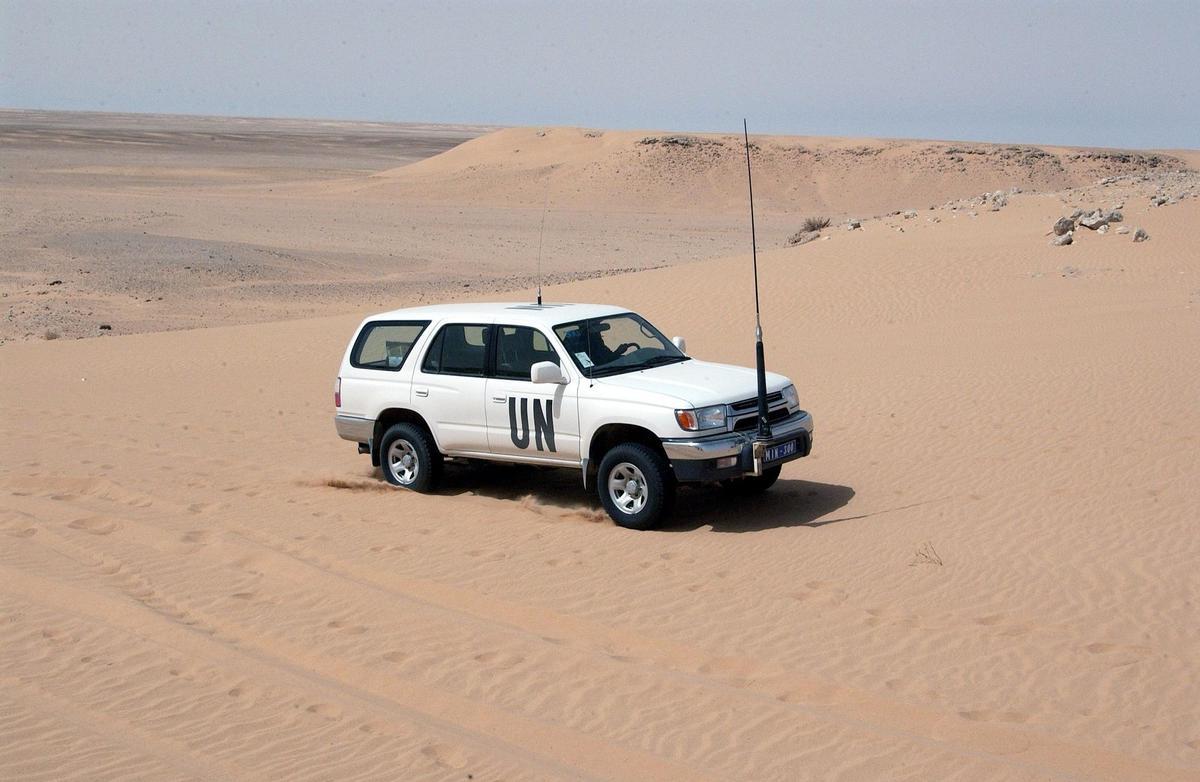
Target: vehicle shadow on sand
789,503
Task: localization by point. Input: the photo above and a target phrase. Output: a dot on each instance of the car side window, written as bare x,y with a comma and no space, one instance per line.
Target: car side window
518,348
385,344
458,349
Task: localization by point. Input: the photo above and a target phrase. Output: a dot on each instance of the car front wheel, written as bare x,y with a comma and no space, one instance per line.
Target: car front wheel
636,486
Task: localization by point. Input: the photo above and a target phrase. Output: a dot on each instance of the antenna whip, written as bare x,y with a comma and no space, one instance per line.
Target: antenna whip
764,425
541,234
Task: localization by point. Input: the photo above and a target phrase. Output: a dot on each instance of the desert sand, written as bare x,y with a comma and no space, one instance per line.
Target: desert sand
986,570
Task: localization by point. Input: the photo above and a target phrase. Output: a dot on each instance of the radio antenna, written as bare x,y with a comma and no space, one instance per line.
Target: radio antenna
764,426
541,234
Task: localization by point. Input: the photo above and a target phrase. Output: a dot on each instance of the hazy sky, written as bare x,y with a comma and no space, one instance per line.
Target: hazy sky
1100,73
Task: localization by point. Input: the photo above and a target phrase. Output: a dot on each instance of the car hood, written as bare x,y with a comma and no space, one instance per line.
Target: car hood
699,383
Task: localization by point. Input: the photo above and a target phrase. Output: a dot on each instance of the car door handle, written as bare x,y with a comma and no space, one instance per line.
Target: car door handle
422,392
500,399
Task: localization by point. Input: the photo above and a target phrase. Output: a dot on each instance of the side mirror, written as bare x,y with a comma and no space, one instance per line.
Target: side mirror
546,372
680,343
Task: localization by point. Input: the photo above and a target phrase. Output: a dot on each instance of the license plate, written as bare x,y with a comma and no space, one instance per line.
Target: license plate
781,451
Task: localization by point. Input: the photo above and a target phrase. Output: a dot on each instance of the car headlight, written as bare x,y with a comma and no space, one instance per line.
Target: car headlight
704,418
791,397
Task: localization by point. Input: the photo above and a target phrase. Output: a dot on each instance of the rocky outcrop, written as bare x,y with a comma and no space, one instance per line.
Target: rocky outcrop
1094,219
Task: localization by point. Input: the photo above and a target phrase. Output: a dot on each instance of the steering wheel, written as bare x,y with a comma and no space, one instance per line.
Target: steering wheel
624,347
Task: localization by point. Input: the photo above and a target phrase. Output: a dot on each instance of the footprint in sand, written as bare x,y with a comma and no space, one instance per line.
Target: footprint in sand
326,710
396,656
445,755
1121,655
56,636
95,525
813,693
499,659
197,536
21,532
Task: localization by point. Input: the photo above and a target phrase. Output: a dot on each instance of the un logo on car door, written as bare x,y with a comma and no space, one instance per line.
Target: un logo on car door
543,423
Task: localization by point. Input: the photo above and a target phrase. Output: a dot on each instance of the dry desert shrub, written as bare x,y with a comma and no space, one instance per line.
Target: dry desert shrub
814,224
926,555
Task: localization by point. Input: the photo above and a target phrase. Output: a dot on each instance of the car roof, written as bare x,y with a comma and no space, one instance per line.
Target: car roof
510,313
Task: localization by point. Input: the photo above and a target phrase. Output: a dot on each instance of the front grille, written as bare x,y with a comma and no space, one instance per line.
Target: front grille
752,403
750,422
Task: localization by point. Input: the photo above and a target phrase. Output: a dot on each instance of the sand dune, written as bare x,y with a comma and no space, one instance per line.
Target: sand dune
578,168
986,570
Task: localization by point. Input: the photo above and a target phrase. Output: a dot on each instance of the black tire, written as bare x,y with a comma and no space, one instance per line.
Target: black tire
652,497
753,484
425,470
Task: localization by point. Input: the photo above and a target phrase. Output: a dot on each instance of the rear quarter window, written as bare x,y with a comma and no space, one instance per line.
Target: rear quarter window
386,344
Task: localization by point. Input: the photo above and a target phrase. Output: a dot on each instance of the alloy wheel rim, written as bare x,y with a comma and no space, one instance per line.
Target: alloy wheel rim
403,462
627,488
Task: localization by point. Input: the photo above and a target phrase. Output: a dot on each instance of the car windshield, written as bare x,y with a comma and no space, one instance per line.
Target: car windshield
615,344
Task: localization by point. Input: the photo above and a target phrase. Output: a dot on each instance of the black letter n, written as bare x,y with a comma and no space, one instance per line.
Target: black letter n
543,424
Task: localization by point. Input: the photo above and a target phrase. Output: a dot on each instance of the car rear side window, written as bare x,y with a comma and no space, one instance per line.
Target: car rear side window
518,348
386,344
458,349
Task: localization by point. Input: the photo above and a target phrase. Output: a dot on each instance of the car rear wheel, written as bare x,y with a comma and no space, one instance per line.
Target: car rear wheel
753,484
409,458
636,486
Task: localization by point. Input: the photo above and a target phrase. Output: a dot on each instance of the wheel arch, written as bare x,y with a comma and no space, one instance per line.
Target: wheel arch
389,418
609,435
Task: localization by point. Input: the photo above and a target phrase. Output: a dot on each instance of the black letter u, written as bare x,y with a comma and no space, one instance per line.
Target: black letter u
521,440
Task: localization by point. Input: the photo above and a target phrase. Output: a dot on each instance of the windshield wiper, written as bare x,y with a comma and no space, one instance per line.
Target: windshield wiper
621,369
659,361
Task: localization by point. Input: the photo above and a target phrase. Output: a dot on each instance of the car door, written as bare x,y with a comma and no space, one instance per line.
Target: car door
449,387
530,421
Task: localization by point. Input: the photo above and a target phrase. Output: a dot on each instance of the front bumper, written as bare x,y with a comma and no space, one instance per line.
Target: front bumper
734,454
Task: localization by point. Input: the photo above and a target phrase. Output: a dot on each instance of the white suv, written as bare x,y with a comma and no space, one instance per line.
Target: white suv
587,386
